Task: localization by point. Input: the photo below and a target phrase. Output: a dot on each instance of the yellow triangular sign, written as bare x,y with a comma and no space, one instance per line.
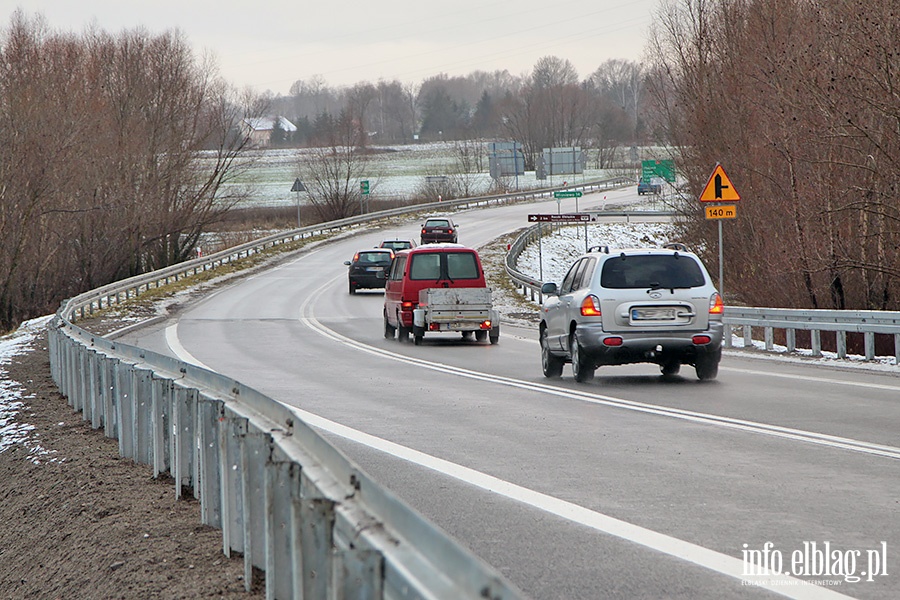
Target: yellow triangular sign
719,188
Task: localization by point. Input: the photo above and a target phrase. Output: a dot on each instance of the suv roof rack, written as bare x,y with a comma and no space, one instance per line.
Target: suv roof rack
677,246
603,249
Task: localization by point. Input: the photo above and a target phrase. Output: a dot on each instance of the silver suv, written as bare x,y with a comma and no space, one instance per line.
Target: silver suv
636,305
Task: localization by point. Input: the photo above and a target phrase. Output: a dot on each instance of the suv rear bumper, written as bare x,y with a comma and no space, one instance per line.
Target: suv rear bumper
648,346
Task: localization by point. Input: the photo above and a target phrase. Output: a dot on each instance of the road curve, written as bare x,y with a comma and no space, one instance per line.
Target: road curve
631,486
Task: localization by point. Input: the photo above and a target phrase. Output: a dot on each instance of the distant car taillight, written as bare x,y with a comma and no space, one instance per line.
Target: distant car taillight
407,305
590,306
716,306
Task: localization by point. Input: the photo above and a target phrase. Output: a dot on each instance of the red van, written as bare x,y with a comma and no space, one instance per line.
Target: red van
423,267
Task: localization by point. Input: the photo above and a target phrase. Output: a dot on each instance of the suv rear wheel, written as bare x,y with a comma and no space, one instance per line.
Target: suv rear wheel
552,365
707,366
582,369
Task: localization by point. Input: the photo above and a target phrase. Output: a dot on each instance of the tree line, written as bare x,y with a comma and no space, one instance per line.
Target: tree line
550,107
114,152
799,101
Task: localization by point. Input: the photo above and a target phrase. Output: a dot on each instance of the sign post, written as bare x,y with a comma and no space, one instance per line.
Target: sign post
720,189
298,187
363,192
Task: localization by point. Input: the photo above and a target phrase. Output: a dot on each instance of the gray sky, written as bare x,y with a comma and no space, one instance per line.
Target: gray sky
269,45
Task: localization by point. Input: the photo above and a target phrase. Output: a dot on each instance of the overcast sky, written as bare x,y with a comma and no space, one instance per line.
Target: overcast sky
270,45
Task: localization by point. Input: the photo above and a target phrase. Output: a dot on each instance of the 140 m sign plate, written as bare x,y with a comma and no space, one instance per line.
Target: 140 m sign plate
726,211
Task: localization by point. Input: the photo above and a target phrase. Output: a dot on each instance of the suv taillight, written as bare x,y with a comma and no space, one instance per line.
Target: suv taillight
716,306
590,306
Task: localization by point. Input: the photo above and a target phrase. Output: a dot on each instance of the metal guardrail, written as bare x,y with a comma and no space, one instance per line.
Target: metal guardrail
120,291
838,322
284,497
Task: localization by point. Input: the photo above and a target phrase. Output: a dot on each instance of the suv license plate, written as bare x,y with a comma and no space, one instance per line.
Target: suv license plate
652,314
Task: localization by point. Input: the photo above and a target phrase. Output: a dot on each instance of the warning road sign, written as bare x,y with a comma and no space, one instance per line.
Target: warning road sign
719,188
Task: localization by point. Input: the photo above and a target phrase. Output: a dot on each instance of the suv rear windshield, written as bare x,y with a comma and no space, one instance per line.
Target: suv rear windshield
653,271
444,265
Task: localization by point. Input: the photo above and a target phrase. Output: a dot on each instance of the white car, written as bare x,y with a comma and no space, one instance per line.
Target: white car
636,305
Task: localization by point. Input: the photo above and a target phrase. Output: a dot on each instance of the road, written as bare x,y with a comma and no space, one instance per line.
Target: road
631,486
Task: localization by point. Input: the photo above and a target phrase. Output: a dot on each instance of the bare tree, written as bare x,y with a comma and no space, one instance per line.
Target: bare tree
333,170
101,169
797,99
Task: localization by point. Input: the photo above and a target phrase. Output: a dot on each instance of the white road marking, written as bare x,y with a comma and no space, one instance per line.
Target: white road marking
794,376
716,561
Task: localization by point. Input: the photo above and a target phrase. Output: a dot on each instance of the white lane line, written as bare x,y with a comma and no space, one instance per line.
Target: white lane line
179,350
592,398
716,561
794,376
671,546
698,555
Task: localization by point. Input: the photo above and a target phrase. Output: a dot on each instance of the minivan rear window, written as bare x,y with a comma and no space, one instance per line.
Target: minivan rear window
444,265
666,271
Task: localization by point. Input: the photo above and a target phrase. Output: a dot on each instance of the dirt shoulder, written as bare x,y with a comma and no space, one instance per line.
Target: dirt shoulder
79,521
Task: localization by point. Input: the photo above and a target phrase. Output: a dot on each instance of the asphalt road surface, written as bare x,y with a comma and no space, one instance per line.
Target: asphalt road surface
630,486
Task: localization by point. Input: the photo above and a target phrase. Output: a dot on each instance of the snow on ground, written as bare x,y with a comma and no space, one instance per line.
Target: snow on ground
12,429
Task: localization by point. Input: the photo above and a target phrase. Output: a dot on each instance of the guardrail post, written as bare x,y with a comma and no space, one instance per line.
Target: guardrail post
726,336
232,470
314,517
790,336
125,408
161,424
142,415
748,336
841,341
769,333
184,438
279,529
897,349
108,398
208,413
816,342
869,338
255,455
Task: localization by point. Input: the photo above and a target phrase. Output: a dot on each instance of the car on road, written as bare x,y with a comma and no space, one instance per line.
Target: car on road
368,268
634,305
445,267
439,229
397,244
646,187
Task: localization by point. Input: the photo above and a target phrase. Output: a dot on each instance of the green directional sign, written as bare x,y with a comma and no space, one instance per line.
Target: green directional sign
364,186
658,168
575,194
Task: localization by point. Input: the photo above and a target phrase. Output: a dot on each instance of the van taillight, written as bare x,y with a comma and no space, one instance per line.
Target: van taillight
716,306
590,306
407,305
